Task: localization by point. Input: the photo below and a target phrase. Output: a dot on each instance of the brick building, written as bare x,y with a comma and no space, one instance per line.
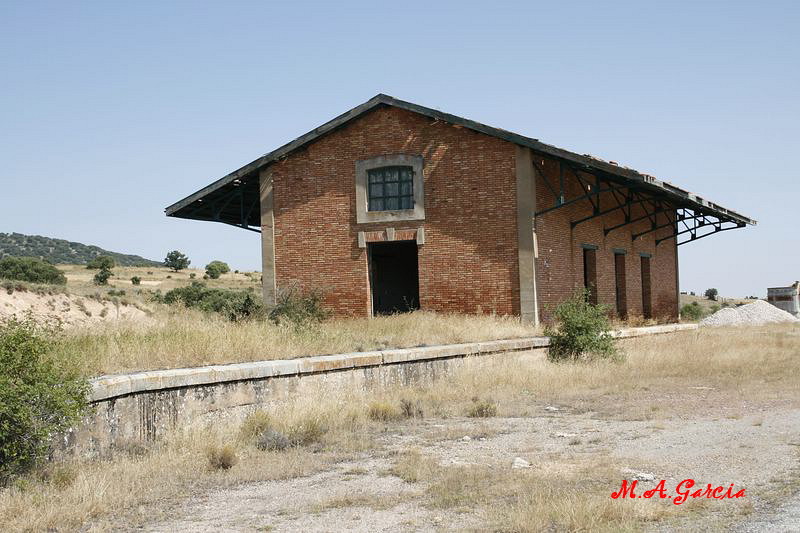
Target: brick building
394,206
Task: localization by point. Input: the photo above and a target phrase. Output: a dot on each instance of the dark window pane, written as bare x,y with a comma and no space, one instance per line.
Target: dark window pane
390,188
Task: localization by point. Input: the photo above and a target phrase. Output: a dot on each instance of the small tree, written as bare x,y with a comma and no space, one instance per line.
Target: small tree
582,330
39,395
101,278
136,280
711,294
216,268
101,261
176,260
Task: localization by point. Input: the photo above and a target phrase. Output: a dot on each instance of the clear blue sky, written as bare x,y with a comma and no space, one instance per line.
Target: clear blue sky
110,111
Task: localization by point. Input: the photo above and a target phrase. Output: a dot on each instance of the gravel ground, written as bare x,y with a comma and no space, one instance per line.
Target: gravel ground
755,451
785,519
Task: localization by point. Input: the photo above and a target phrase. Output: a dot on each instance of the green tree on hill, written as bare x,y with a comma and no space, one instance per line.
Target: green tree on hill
176,260
100,262
216,268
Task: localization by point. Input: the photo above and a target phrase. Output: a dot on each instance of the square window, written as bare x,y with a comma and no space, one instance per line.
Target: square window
391,188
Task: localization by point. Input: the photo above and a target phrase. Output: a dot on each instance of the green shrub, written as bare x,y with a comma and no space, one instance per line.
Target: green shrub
692,311
176,261
235,305
100,262
40,395
32,270
101,278
582,330
297,307
216,268
136,280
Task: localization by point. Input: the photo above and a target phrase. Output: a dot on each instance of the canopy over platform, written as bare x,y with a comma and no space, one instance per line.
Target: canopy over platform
234,199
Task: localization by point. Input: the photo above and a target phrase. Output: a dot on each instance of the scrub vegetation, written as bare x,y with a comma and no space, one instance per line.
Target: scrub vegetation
315,433
182,337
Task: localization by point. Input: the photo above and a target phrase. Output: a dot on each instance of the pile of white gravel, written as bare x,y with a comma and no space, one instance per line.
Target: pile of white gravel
752,314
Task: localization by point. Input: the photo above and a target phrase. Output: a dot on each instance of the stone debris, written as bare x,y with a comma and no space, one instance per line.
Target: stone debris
519,462
752,314
566,435
466,438
639,476
552,408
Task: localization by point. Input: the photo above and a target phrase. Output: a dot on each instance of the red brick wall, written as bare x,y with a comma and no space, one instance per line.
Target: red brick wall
559,268
469,260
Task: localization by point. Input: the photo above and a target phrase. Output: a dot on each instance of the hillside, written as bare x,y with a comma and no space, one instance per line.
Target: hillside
60,251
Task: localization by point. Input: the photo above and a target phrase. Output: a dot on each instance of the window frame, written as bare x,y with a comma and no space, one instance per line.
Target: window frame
417,212
402,172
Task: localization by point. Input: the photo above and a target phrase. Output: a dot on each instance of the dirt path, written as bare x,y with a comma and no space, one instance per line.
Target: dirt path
758,452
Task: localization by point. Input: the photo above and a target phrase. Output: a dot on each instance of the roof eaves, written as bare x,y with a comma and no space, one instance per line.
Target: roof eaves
588,161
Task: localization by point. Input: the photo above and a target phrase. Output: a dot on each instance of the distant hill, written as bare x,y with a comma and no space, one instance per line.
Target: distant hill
60,251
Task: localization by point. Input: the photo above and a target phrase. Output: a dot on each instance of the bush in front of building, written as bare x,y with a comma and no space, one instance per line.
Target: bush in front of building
582,331
32,270
298,307
235,305
40,395
692,311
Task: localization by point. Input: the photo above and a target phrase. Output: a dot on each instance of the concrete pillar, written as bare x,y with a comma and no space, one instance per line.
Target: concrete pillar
526,205
267,238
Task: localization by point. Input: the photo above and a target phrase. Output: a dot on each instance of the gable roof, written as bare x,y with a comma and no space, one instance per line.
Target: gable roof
245,178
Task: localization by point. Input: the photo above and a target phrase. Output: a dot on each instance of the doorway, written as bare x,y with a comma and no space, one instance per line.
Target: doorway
621,285
647,303
393,277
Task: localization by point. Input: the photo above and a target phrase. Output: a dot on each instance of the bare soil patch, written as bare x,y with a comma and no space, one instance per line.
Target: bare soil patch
67,309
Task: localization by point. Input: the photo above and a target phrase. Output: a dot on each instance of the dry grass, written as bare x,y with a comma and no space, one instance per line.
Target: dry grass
323,427
180,338
79,279
574,498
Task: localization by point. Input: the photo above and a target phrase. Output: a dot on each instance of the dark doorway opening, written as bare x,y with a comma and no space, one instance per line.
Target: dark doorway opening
590,274
619,275
394,277
647,304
